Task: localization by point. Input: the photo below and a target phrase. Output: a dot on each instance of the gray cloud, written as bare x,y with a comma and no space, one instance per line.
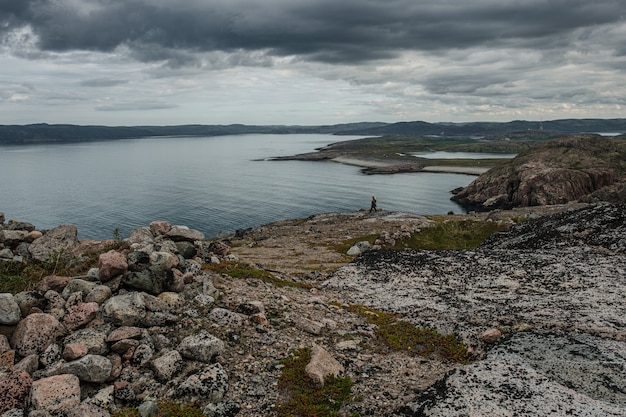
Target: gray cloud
323,30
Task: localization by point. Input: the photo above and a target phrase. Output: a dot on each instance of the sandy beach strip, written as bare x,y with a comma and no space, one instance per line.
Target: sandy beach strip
456,170
372,163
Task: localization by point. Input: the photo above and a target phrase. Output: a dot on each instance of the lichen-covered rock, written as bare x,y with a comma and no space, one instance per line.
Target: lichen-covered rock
225,317
89,368
80,315
202,346
14,390
34,333
62,239
92,337
55,393
168,365
10,312
125,309
211,383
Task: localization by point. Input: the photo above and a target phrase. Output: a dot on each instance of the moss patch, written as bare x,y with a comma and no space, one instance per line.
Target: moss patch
305,398
166,409
396,334
450,235
245,271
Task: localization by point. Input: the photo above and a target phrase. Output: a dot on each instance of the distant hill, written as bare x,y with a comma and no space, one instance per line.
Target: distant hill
63,133
489,128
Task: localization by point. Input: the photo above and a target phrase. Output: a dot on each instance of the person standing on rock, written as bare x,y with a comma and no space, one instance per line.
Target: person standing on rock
373,207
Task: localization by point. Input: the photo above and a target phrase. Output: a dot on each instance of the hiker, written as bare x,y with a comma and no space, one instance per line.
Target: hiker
373,207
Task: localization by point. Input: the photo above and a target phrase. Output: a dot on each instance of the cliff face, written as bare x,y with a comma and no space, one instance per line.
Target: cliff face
556,172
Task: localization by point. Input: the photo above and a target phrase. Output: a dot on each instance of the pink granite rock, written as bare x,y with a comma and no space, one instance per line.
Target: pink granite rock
55,393
14,390
491,336
78,316
34,333
74,351
159,227
322,365
111,264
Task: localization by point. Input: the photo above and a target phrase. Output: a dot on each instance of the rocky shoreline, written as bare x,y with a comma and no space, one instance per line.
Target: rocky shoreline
540,308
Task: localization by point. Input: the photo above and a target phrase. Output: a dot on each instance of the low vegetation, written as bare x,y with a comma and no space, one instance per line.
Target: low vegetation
242,270
305,397
400,335
166,409
450,235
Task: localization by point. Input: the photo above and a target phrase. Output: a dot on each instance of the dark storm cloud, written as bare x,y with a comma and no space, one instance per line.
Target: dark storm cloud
347,31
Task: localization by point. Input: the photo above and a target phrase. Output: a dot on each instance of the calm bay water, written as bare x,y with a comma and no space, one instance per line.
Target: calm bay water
212,184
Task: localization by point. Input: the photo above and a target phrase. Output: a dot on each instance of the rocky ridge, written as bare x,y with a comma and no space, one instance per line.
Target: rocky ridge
151,323
572,168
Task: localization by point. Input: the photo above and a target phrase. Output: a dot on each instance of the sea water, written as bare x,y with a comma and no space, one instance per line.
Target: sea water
213,184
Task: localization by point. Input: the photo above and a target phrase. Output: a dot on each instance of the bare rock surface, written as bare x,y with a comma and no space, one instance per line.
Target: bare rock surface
554,286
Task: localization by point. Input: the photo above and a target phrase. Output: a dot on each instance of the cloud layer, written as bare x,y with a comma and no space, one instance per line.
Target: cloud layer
402,59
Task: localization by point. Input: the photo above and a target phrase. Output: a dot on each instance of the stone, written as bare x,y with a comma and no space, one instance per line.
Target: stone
222,409
18,225
224,317
111,264
53,282
168,365
87,410
210,383
14,390
142,355
186,249
7,359
153,280
251,307
62,239
140,236
184,233
148,409
28,364
159,227
4,343
308,326
92,337
99,294
51,355
55,393
78,285
29,299
73,351
6,253
219,248
491,336
80,315
10,312
124,332
35,333
138,261
123,391
125,309
201,346
322,365
89,368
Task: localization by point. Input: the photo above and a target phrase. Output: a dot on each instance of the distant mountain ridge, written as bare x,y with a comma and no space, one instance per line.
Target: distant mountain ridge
66,133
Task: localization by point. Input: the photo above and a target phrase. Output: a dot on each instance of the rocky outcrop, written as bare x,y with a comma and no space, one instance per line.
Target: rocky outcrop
553,287
555,172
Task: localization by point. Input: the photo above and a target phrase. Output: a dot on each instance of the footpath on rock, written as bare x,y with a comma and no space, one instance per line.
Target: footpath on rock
167,315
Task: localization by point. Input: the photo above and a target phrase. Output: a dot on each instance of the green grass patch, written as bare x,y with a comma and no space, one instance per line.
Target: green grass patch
306,398
166,409
400,335
244,271
450,235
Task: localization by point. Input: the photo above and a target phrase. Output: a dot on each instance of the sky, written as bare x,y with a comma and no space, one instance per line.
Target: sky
310,62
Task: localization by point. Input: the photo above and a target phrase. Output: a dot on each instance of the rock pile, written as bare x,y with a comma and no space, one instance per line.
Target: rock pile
87,345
